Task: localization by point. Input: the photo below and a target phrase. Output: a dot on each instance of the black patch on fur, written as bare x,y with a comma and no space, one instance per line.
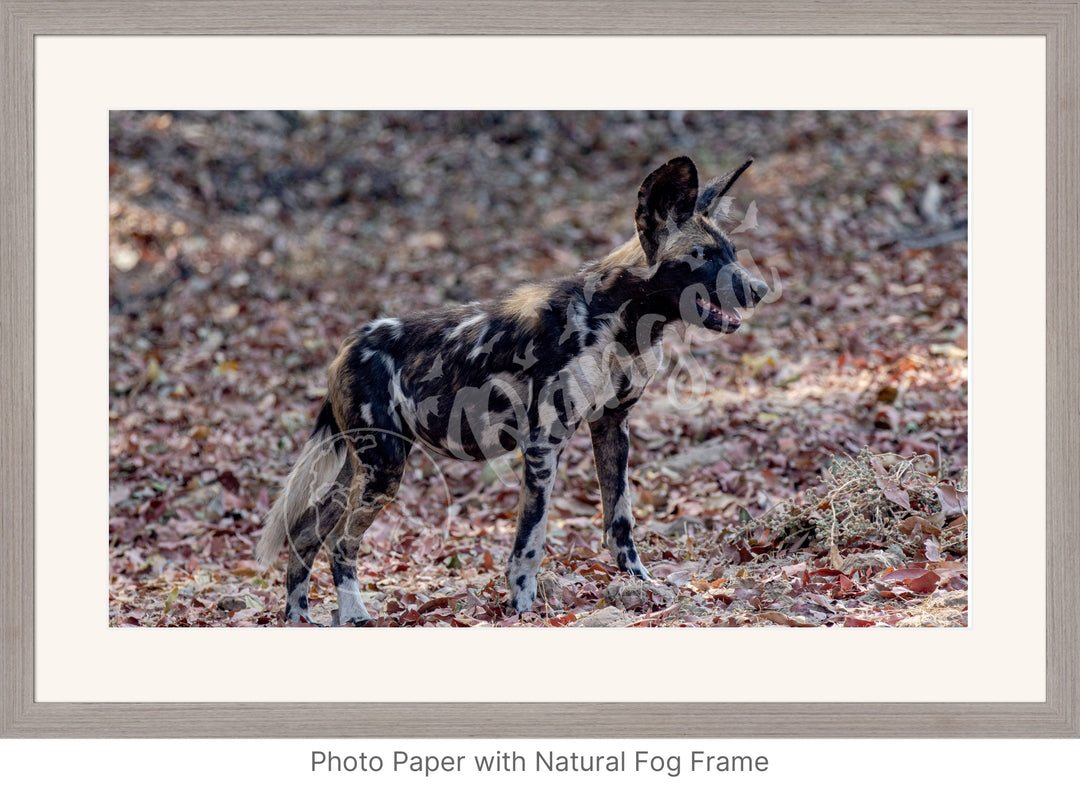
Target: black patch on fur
620,529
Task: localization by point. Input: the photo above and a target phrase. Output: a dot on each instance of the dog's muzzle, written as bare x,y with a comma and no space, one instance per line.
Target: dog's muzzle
722,313
717,317
749,291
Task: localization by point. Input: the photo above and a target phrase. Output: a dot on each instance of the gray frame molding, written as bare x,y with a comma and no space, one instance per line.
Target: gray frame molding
20,22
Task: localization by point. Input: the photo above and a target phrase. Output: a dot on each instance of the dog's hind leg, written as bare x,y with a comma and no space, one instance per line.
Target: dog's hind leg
379,460
536,482
611,449
306,537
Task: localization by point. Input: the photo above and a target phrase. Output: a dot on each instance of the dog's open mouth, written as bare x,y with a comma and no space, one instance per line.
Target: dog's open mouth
718,318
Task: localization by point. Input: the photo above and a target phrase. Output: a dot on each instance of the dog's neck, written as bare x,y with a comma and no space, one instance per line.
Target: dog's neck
623,283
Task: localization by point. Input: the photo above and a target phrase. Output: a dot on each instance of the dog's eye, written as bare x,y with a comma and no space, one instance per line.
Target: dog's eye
696,253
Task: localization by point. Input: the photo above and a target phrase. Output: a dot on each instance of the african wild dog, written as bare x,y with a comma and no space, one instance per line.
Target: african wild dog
478,380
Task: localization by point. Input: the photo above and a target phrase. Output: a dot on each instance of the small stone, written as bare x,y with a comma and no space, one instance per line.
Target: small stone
239,601
207,500
954,599
634,594
605,617
682,526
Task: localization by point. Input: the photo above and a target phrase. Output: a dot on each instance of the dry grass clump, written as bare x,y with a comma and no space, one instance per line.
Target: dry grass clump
882,499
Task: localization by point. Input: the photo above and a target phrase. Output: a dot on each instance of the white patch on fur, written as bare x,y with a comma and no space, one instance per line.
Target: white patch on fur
399,399
389,363
493,425
391,323
461,327
350,604
365,414
577,322
546,414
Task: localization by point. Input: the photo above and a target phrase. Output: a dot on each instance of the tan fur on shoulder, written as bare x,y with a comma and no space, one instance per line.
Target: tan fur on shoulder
526,303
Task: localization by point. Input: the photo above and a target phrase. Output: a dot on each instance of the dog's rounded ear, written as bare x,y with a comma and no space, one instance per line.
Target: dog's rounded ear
666,201
708,203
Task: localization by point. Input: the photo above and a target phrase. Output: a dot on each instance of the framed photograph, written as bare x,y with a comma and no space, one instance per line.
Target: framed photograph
347,279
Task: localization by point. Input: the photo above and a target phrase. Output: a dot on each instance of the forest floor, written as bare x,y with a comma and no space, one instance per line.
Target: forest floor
808,470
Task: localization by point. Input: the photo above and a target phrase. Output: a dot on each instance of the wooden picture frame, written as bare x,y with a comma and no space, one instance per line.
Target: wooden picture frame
22,716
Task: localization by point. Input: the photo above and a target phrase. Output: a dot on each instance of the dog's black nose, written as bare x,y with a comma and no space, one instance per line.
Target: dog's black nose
748,290
758,289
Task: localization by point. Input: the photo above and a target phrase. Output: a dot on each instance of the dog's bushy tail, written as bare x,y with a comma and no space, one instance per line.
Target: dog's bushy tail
320,461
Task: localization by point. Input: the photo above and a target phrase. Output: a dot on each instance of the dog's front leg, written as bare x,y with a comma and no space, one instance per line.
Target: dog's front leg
536,482
611,449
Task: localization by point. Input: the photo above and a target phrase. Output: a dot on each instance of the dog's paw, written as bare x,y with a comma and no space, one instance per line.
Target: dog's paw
358,622
628,561
301,620
522,593
351,621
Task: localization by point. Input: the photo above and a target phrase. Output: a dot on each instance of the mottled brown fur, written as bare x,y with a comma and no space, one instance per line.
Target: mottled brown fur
340,383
